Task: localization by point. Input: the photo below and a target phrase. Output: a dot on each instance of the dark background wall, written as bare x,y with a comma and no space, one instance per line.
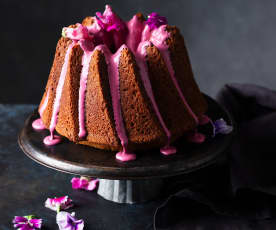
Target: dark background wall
228,41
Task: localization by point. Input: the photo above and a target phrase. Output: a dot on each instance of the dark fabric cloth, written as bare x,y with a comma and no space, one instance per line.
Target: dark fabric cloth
243,185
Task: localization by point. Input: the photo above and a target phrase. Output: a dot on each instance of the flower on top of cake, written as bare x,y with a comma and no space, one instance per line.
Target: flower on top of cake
155,20
77,33
112,24
109,29
109,20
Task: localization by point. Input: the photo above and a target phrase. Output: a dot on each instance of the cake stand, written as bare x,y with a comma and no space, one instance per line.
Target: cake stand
127,182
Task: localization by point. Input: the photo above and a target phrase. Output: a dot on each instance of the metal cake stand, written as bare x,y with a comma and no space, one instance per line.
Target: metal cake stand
130,182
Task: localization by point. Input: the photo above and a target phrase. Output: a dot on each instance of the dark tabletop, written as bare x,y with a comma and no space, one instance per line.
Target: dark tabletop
25,185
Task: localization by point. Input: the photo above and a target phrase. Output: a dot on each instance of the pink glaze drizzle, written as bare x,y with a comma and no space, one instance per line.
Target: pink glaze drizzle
138,32
158,38
168,150
124,156
140,58
88,48
203,120
196,137
135,29
114,81
38,124
49,140
44,105
82,90
54,118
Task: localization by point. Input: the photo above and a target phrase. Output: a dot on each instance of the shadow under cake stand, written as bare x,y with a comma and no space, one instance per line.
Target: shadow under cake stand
126,182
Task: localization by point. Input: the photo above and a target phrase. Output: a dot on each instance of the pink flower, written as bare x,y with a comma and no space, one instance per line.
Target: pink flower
60,203
109,29
85,183
26,223
67,221
109,20
155,20
78,33
220,126
112,26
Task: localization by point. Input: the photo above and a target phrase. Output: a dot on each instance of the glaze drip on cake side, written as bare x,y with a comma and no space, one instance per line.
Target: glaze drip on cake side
54,139
158,38
113,72
45,102
141,56
83,81
138,40
108,34
38,123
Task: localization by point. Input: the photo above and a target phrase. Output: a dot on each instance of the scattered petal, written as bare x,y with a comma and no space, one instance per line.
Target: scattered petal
155,20
92,184
220,127
67,221
85,183
36,223
27,222
18,219
60,203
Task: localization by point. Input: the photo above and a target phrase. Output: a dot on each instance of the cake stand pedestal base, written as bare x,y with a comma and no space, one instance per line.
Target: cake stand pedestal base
130,191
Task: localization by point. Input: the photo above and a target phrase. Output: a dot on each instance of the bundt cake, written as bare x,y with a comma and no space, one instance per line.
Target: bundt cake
121,86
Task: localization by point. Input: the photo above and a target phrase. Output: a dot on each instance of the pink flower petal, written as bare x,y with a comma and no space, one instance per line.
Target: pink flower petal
84,183
75,183
62,203
19,225
155,20
26,222
36,222
19,219
67,221
26,227
92,184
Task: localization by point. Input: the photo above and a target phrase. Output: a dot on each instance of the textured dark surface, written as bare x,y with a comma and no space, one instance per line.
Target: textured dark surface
25,185
228,41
